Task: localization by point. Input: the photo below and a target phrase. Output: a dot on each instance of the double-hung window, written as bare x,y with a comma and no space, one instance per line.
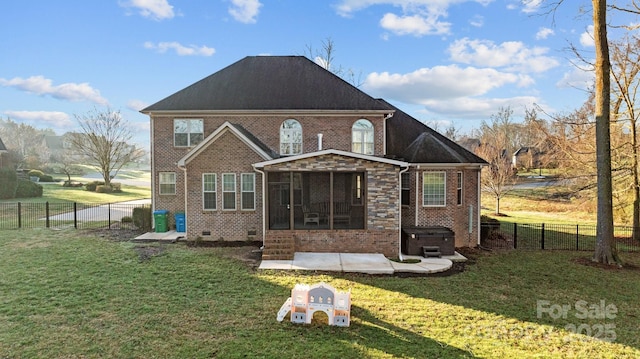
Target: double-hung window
209,196
228,191
167,182
459,189
187,132
248,187
434,189
406,189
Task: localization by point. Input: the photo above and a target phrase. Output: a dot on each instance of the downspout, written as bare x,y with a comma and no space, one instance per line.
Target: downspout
400,213
153,171
479,194
264,205
184,169
417,203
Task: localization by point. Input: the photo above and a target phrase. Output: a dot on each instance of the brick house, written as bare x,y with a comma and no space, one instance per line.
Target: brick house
279,150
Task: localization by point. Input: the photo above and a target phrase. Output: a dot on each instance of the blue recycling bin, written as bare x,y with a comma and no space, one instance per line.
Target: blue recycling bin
181,222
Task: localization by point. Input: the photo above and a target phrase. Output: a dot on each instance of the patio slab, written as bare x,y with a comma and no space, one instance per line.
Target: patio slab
371,263
161,236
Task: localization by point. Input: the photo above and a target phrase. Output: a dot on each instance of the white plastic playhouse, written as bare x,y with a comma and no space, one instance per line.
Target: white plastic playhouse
306,300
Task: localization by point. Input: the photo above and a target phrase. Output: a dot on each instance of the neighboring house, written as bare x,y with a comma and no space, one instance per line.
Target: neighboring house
280,150
526,157
3,150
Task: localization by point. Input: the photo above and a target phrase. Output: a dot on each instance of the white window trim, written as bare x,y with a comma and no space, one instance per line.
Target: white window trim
242,191
445,189
160,183
362,135
459,188
189,144
235,192
215,190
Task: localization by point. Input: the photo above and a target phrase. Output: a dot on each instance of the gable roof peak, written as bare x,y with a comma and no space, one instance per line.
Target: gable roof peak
270,83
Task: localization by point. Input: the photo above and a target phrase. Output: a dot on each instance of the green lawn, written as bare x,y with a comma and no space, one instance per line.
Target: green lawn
55,192
72,294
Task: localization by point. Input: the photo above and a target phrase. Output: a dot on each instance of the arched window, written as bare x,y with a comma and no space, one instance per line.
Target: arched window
290,138
362,137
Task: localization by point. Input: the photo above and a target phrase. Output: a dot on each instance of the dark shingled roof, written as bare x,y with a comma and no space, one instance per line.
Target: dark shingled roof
256,141
269,83
413,141
2,146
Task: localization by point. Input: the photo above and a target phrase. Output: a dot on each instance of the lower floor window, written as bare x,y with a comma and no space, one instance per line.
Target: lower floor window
229,191
434,189
167,182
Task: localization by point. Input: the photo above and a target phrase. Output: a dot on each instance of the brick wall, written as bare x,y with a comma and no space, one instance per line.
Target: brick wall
453,216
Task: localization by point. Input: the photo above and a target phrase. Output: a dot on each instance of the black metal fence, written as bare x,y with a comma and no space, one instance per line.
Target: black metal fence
65,215
553,236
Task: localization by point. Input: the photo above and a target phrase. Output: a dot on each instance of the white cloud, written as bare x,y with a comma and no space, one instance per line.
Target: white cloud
580,78
475,108
154,9
512,55
245,11
68,91
544,33
181,50
586,38
477,21
531,6
136,105
416,25
416,17
50,118
440,82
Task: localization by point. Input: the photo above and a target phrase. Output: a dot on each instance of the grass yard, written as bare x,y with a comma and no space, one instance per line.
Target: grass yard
74,294
55,192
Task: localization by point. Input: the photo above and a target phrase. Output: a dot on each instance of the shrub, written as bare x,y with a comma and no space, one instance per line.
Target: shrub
142,218
72,184
28,189
9,181
116,187
126,219
103,189
91,186
46,178
35,173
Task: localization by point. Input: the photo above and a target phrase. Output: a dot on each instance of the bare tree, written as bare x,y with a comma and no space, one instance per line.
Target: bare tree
496,148
104,141
325,56
605,251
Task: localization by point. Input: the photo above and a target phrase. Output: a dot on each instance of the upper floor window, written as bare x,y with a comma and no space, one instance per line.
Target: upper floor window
290,137
187,132
362,137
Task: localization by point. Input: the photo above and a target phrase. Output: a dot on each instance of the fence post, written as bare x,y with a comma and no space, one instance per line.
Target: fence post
577,237
75,215
19,215
542,235
515,236
109,209
46,210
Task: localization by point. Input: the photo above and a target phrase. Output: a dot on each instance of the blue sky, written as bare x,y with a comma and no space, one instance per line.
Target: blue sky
442,61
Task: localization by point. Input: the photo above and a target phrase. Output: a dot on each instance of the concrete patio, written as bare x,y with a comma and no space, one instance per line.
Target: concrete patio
370,263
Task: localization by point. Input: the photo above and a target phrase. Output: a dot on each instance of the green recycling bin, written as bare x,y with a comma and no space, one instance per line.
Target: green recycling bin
160,217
